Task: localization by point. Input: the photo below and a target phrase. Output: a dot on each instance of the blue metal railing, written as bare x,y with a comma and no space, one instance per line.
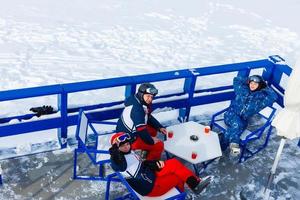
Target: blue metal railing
273,69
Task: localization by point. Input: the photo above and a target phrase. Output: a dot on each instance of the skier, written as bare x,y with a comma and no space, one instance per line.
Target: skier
251,96
136,119
151,177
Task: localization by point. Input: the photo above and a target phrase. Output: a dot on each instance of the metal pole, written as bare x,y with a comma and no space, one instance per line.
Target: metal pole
273,170
1,175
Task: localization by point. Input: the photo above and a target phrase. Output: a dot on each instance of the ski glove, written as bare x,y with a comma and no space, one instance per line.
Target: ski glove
152,164
42,110
118,158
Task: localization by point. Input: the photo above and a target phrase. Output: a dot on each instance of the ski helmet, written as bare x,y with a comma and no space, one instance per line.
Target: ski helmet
258,79
146,88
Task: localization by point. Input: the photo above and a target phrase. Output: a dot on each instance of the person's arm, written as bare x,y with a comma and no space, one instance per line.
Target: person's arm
118,161
265,97
269,97
154,122
143,133
240,84
138,118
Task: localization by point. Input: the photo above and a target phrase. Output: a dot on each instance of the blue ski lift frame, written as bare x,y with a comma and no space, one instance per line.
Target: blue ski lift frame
273,69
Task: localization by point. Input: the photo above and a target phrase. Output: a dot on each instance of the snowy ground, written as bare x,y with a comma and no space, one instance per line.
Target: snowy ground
49,42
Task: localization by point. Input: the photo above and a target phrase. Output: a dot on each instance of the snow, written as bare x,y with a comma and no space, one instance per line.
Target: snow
59,41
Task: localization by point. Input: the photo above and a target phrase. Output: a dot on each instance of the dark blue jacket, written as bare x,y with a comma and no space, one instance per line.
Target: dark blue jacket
142,179
134,120
247,102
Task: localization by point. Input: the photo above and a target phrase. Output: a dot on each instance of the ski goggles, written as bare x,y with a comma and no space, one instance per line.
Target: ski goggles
123,138
152,91
255,79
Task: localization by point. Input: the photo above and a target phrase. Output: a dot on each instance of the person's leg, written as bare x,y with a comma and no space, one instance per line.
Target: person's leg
154,151
165,183
184,174
173,166
235,127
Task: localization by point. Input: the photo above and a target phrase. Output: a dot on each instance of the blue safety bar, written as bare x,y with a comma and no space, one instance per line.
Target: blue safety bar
273,69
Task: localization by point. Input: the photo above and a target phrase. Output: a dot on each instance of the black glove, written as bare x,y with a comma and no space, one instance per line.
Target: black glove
42,110
152,164
114,149
116,155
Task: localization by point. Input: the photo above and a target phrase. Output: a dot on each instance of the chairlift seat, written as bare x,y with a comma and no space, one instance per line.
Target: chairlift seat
250,134
173,194
97,150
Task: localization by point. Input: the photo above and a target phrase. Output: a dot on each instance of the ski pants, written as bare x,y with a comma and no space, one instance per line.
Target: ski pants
173,174
235,127
153,151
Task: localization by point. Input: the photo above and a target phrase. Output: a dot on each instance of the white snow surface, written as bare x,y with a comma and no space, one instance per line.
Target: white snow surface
62,41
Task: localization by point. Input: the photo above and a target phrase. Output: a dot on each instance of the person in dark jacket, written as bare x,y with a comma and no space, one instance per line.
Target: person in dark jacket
151,177
251,96
137,120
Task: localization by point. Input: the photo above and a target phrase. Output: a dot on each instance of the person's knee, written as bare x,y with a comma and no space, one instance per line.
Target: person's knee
174,163
159,146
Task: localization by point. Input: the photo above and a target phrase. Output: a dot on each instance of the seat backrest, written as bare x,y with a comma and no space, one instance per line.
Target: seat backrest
82,127
103,144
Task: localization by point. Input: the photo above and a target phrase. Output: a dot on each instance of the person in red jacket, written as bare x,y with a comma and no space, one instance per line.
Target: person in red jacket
137,120
151,177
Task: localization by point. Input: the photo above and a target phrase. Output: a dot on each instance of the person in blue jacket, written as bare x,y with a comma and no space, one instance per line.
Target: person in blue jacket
251,96
151,177
137,120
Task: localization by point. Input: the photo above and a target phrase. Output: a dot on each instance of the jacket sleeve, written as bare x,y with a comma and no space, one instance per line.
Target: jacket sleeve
266,97
118,161
154,122
138,118
240,85
144,135
270,97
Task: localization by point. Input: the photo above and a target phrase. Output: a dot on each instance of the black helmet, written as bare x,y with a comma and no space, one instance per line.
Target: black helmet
146,88
258,79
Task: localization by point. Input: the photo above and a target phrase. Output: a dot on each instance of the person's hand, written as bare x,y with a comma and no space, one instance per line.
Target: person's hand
156,140
160,164
163,131
114,149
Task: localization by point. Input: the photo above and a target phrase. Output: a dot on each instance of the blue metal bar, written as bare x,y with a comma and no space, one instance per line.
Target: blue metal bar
220,69
63,130
130,90
189,75
189,88
26,127
30,92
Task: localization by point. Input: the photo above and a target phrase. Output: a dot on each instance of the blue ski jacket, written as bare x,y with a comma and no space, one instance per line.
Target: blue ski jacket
245,105
134,120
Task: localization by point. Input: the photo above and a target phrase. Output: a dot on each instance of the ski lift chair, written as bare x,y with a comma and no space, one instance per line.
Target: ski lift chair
252,132
173,194
97,150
